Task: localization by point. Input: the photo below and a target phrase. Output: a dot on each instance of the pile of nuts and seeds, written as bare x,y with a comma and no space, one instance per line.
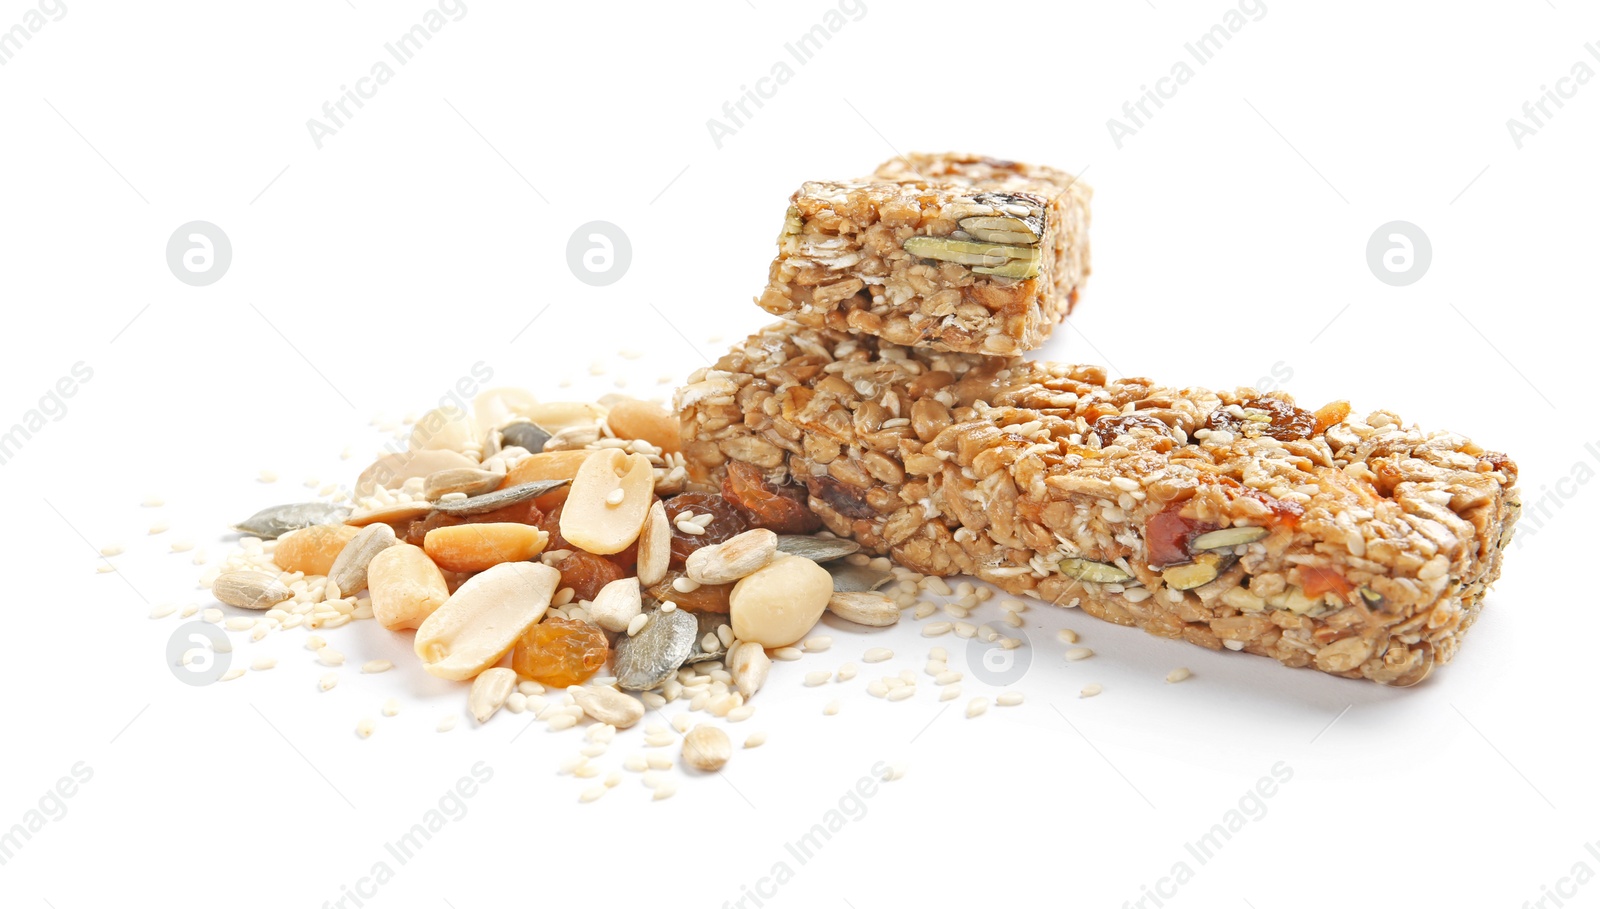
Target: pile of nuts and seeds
553,557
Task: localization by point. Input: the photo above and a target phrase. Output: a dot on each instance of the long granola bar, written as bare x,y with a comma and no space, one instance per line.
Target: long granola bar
1357,546
956,252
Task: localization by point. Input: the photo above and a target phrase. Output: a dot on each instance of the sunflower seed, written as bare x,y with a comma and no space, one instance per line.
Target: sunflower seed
530,436
349,571
864,608
468,481
496,500
274,522
816,548
650,656
250,589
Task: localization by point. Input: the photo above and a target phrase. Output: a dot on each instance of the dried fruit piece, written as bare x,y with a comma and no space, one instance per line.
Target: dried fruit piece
560,652
725,523
701,598
484,618
587,574
652,654
349,569
478,547
654,423
1168,536
655,545
778,604
520,513
1265,417
1107,428
274,522
250,589
406,587
726,562
779,509
489,692
609,499
313,549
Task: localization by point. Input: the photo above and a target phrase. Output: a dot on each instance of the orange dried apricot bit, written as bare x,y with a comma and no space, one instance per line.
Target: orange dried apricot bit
560,652
312,549
779,509
478,547
519,513
586,573
725,523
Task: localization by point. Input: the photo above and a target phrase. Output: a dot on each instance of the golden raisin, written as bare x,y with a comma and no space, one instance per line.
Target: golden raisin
725,523
560,652
586,573
778,508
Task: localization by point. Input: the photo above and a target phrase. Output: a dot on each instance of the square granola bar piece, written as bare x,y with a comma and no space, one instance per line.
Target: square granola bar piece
952,252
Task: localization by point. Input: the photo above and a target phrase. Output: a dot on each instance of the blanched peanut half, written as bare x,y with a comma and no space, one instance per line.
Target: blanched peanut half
312,550
655,546
634,419
476,547
444,429
610,497
406,586
732,559
390,471
496,407
778,604
555,416
482,620
546,465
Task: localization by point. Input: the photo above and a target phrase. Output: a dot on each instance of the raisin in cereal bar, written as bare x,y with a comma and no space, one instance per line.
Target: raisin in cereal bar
954,252
1360,547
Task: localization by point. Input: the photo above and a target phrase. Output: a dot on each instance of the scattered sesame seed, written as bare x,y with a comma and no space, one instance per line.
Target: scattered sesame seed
934,629
832,709
112,550
877,655
366,728
328,680
1009,698
1090,690
374,666
1079,653
976,707
231,674
153,502
816,644
1177,675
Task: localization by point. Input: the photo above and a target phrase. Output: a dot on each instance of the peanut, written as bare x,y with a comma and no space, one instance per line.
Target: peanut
776,605
312,550
595,520
444,429
482,620
616,604
477,547
634,419
655,546
406,586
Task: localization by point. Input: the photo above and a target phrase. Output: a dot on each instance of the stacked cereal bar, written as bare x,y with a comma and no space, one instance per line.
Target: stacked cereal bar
1360,547
952,252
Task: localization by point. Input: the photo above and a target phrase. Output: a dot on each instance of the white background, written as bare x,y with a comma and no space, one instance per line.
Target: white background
1229,238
